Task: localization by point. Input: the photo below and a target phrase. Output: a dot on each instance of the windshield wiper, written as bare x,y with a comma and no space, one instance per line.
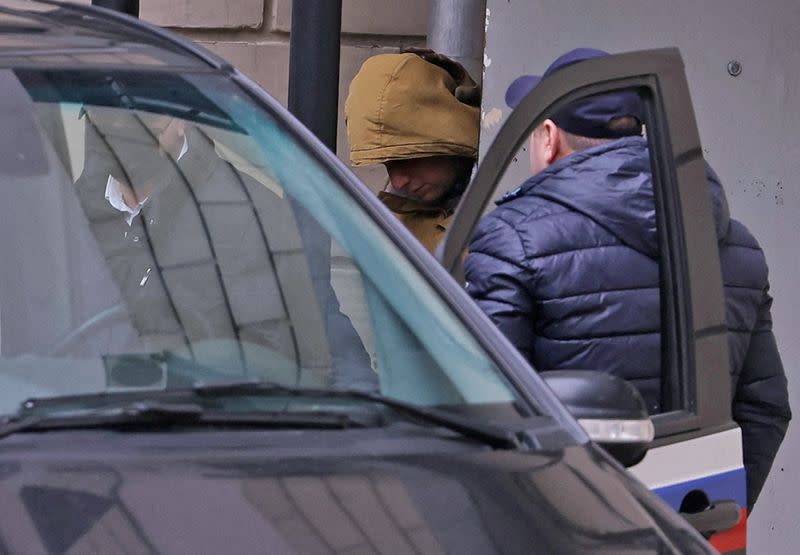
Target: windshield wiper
494,436
143,412
47,411
149,413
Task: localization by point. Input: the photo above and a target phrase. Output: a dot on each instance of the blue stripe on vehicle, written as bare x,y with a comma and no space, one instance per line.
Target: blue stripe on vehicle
723,486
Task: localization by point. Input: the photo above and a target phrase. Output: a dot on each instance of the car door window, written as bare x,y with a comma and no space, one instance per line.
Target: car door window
693,332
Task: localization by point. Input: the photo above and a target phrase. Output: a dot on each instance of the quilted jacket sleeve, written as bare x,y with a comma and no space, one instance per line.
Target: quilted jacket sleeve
761,402
499,281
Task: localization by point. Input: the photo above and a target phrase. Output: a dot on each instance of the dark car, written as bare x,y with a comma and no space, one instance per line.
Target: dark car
214,339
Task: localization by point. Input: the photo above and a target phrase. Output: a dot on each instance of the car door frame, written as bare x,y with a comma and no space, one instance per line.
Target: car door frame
694,332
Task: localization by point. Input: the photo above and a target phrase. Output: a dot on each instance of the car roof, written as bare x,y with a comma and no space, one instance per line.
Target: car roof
55,35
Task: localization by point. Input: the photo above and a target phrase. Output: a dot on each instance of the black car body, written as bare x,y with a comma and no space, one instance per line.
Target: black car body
320,492
183,351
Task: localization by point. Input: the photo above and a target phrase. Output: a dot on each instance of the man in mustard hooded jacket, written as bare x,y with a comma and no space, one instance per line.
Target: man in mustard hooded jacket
417,113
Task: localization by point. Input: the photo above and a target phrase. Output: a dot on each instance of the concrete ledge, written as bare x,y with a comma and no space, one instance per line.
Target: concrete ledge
367,17
204,14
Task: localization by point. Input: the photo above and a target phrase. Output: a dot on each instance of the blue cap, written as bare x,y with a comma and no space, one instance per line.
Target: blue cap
590,116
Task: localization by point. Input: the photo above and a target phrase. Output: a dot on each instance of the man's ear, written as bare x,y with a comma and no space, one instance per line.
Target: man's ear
552,141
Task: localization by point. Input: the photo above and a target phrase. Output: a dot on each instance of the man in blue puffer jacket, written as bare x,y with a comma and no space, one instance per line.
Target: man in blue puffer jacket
567,266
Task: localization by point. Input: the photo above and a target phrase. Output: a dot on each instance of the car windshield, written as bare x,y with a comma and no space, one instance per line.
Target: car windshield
161,230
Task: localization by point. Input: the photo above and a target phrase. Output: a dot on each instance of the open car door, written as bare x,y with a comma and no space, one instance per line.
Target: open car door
695,461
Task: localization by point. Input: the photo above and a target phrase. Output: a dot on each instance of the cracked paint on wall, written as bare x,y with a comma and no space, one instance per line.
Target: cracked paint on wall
491,118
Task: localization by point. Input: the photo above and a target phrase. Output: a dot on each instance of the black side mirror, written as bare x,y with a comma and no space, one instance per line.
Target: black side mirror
611,410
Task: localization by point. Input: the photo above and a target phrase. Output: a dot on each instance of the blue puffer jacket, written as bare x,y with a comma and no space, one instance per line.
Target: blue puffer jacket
567,267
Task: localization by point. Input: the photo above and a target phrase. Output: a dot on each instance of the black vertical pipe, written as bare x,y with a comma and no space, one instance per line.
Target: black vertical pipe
314,66
314,100
457,28
130,7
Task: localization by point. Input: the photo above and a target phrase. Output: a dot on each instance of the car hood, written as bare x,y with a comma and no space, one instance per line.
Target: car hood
319,492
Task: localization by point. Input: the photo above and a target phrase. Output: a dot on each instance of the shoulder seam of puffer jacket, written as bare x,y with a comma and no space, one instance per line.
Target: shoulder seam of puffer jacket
597,292
515,216
739,236
494,253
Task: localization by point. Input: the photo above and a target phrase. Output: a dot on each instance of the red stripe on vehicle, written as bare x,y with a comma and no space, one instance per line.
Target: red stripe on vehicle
732,540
